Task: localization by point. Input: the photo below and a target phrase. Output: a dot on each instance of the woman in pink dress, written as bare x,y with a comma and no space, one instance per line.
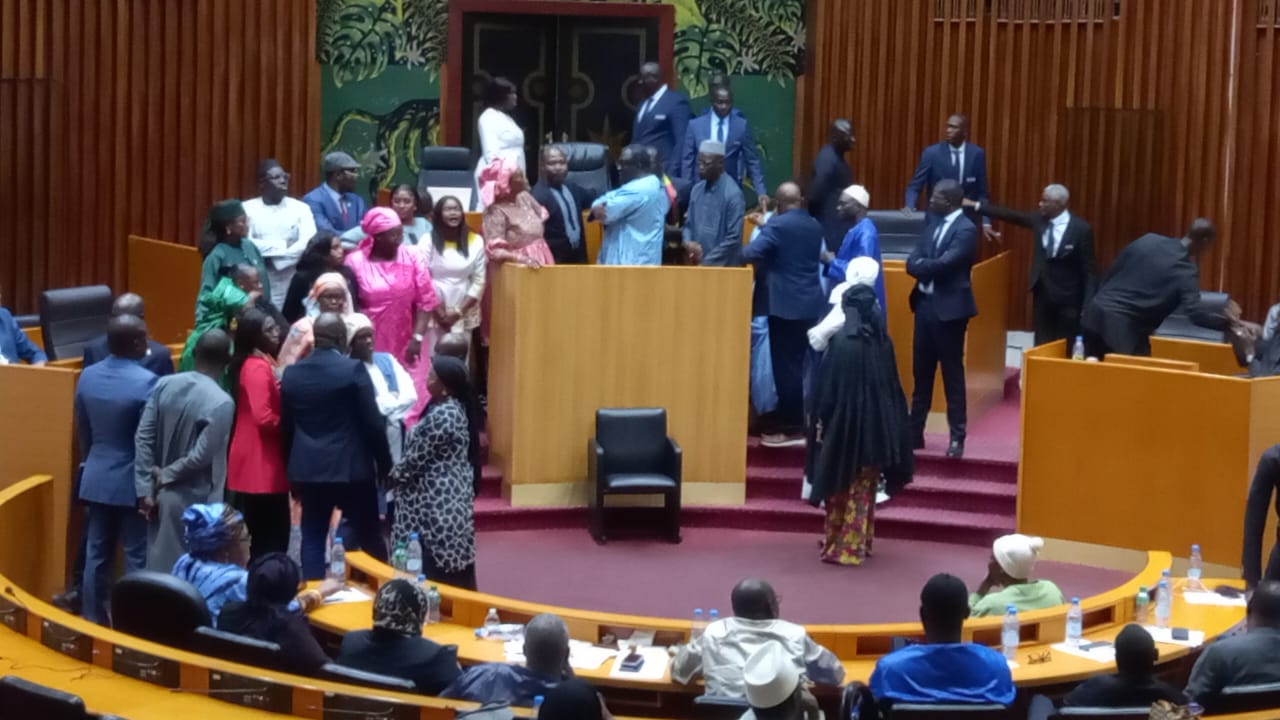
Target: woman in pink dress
397,294
511,226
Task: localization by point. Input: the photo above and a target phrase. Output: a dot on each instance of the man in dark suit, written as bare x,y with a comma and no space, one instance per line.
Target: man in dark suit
662,119
957,159
158,358
721,124
334,442
1063,270
335,204
785,255
564,202
831,175
942,301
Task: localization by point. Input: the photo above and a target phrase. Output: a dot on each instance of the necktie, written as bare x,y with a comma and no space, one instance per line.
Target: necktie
937,237
342,205
565,201
720,129
644,109
1048,240
955,163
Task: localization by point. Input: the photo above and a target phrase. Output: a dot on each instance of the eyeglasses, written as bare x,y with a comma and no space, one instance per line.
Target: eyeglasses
1040,659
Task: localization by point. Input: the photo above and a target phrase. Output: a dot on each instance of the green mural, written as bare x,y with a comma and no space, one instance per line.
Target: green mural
381,60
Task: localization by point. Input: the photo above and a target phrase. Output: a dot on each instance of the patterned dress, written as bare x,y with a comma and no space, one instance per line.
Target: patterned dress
434,493
514,225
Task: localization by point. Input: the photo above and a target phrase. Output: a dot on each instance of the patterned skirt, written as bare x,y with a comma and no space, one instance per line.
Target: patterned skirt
851,517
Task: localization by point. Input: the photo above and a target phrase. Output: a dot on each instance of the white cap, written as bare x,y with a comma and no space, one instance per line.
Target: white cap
859,193
862,270
711,147
1016,554
770,676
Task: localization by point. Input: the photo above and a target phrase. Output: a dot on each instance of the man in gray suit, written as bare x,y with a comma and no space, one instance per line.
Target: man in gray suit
1249,659
181,448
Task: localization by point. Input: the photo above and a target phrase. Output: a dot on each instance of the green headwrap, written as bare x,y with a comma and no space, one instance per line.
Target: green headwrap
222,213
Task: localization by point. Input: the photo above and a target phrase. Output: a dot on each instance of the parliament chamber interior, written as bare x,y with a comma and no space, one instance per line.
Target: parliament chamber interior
586,359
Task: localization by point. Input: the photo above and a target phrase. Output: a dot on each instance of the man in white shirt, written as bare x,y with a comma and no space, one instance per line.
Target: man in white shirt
723,648
279,226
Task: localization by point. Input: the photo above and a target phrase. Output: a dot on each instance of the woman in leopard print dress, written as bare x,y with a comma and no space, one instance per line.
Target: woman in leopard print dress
433,482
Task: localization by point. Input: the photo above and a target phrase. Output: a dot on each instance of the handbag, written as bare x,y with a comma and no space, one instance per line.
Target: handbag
1165,710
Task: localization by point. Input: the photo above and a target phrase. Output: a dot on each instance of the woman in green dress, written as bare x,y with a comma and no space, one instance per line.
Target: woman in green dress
238,288
224,246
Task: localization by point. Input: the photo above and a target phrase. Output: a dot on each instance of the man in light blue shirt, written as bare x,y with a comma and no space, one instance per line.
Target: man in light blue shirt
634,215
713,225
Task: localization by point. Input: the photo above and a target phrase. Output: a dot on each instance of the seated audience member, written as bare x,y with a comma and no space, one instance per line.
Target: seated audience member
15,346
722,650
1266,481
279,226
634,215
395,646
217,543
712,232
158,358
774,687
573,700
324,254
1249,659
546,653
335,206
392,386
1134,684
565,201
224,246
943,669
1256,347
329,294
1008,580
241,288
273,611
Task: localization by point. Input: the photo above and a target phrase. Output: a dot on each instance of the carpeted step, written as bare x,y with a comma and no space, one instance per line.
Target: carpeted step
951,493
494,514
490,482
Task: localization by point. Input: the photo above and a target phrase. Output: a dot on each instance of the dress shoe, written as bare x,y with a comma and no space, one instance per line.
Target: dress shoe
68,601
955,449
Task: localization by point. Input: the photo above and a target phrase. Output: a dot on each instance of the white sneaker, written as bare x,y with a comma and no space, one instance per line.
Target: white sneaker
882,497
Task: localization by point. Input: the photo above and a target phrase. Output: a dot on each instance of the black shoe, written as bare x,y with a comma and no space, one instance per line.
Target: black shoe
68,601
955,449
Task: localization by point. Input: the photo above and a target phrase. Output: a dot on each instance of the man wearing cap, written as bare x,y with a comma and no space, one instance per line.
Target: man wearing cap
334,204
280,226
773,686
713,226
862,240
1008,581
724,125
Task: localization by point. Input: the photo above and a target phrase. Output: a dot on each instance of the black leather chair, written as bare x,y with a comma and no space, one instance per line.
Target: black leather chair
1092,713
158,607
589,167
857,703
1244,698
917,711
898,231
632,455
351,676
719,707
1179,326
236,648
27,321
70,318
445,170
21,698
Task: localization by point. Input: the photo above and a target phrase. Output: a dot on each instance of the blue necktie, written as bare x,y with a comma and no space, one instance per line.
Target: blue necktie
565,200
720,123
955,162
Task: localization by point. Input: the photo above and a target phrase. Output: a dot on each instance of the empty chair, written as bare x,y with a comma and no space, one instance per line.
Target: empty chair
236,648
632,455
448,171
589,167
351,676
157,607
1179,326
72,317
21,698
898,231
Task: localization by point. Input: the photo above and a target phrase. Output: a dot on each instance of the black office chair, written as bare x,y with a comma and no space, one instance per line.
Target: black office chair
1180,327
589,167
1095,713
351,676
920,711
719,707
1244,698
898,231
236,648
23,699
857,703
71,318
444,170
158,607
632,455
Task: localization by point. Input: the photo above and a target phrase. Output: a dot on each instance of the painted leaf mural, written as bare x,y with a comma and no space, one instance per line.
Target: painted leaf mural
361,38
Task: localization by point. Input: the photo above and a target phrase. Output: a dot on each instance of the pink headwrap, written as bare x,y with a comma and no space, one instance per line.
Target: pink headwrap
495,180
379,220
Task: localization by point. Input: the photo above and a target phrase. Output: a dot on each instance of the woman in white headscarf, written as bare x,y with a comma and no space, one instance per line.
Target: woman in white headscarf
329,294
1008,581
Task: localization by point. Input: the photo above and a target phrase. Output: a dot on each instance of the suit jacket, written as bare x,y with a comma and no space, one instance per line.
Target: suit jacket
109,400
663,128
330,428
158,360
553,227
327,213
935,165
741,157
1070,277
831,175
947,265
786,253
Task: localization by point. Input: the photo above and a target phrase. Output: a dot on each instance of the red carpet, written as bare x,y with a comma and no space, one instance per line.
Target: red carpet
564,567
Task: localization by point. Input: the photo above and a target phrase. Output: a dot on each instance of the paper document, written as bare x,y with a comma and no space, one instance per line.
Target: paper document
347,595
654,668
1212,598
1098,652
1195,638
582,655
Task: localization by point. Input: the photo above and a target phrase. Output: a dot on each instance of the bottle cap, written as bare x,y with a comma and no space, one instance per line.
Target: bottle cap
1075,601
697,611
1195,548
433,587
493,610
413,536
422,578
537,700
337,540
1010,608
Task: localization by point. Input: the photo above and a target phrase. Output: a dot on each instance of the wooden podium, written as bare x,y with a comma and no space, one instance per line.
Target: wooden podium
567,340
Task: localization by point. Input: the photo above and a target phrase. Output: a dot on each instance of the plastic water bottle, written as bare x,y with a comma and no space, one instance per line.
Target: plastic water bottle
1164,604
695,630
413,561
537,705
1077,350
399,559
715,615
491,622
338,561
433,605
1075,622
1195,569
1142,606
295,544
1010,633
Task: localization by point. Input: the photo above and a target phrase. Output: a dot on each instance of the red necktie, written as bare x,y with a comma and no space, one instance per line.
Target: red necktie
342,203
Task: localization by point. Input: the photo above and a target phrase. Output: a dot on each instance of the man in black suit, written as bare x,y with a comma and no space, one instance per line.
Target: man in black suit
334,442
564,202
158,358
1063,269
831,175
942,301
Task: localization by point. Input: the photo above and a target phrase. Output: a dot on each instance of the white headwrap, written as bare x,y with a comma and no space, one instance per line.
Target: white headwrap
1016,554
860,271
355,323
859,193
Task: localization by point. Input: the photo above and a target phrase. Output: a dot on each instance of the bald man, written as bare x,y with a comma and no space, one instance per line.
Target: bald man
158,359
661,120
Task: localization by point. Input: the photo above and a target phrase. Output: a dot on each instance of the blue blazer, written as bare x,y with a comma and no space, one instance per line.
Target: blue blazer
110,396
947,266
935,165
327,213
158,359
14,344
787,253
663,128
741,158
331,429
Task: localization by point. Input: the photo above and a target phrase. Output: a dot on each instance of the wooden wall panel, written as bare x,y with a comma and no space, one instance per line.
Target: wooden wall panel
128,117
1152,117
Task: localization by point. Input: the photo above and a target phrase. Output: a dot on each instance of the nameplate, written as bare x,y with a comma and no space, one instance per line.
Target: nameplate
350,707
13,616
66,641
147,668
251,692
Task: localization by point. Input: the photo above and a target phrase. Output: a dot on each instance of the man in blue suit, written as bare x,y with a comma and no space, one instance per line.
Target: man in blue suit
662,119
721,124
789,291
942,301
110,397
335,204
335,444
957,159
158,358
